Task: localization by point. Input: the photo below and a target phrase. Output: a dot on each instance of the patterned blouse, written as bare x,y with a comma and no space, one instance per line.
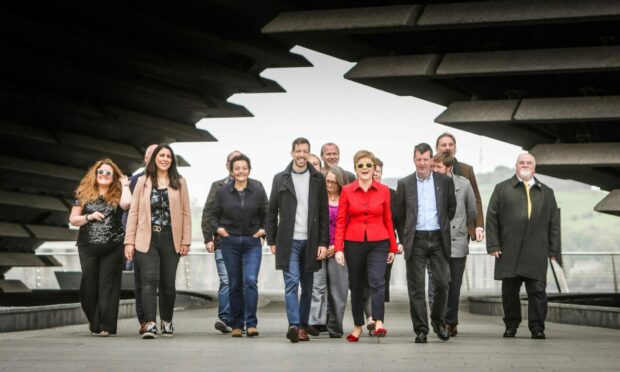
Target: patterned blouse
160,208
108,231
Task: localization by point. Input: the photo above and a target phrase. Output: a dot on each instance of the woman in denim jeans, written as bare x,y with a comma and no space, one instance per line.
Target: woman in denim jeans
158,234
238,217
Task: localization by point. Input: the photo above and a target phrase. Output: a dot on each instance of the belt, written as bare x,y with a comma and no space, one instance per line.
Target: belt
428,234
157,228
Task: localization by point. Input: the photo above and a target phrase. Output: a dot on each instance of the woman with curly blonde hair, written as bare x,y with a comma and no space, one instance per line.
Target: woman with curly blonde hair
100,199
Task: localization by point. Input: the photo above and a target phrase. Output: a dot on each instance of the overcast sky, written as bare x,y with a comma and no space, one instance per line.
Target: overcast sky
321,105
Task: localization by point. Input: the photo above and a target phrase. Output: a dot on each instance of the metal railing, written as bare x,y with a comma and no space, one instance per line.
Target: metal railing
585,271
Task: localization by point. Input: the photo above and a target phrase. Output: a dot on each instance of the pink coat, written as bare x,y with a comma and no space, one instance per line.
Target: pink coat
139,230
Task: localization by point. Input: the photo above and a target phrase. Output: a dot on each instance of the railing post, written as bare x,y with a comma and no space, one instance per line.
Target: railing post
613,271
188,276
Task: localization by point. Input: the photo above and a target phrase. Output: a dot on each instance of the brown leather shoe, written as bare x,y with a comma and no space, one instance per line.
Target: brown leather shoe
292,334
303,335
142,328
252,332
452,330
237,332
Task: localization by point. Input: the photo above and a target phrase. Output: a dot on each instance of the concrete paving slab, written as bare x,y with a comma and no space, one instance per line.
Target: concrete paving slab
197,346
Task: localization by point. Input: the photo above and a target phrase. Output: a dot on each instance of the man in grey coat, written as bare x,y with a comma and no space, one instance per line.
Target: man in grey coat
464,216
297,229
523,231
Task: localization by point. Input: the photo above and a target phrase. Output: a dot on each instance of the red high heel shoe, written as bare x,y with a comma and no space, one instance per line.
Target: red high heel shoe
352,338
380,332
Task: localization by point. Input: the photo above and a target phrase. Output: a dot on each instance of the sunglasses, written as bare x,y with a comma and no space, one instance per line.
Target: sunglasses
104,171
367,165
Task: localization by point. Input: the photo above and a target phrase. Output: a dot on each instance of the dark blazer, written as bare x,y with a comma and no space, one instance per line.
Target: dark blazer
525,244
207,231
407,209
280,222
467,171
132,185
237,218
350,176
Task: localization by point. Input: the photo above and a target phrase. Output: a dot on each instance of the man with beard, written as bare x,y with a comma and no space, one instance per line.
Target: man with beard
523,230
297,228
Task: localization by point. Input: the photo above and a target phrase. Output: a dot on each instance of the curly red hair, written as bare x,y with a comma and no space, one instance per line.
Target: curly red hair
88,190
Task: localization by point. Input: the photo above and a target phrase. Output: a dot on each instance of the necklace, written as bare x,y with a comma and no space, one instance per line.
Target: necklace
162,182
333,198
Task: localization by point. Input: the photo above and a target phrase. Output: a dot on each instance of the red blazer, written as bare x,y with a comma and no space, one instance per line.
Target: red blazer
364,212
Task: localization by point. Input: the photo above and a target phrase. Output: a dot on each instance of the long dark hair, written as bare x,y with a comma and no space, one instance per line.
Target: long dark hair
173,173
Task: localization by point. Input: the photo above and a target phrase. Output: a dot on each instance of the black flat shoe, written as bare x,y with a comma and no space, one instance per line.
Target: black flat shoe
421,338
441,331
538,335
510,332
312,331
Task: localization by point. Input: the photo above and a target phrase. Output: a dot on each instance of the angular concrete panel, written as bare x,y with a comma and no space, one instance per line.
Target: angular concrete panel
555,60
599,108
472,13
350,20
406,75
610,204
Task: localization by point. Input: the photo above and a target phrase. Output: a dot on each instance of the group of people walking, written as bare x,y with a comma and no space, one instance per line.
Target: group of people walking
331,232
156,234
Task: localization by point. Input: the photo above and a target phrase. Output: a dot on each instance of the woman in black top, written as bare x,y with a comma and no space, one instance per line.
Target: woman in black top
101,197
238,216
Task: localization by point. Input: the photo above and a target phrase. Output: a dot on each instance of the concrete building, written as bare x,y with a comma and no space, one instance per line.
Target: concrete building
80,81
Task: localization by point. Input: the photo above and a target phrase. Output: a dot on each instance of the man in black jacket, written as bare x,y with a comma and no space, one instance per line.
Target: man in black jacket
211,238
298,233
425,204
523,232
133,264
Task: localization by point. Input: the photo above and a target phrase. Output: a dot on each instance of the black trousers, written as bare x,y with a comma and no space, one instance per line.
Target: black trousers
388,275
100,287
158,271
137,281
427,245
366,261
457,268
537,302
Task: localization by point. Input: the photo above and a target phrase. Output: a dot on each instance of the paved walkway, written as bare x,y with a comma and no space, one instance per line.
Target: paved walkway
197,346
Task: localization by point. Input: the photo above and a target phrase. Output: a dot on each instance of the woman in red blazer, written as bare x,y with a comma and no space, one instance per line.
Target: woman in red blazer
365,239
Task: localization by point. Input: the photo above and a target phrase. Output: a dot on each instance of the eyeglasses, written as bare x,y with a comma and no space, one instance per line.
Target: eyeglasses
330,182
367,165
104,171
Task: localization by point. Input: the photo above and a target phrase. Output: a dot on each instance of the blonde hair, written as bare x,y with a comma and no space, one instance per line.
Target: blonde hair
88,190
363,154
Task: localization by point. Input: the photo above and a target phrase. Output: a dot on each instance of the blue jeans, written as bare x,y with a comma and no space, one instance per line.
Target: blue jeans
297,310
223,311
242,256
